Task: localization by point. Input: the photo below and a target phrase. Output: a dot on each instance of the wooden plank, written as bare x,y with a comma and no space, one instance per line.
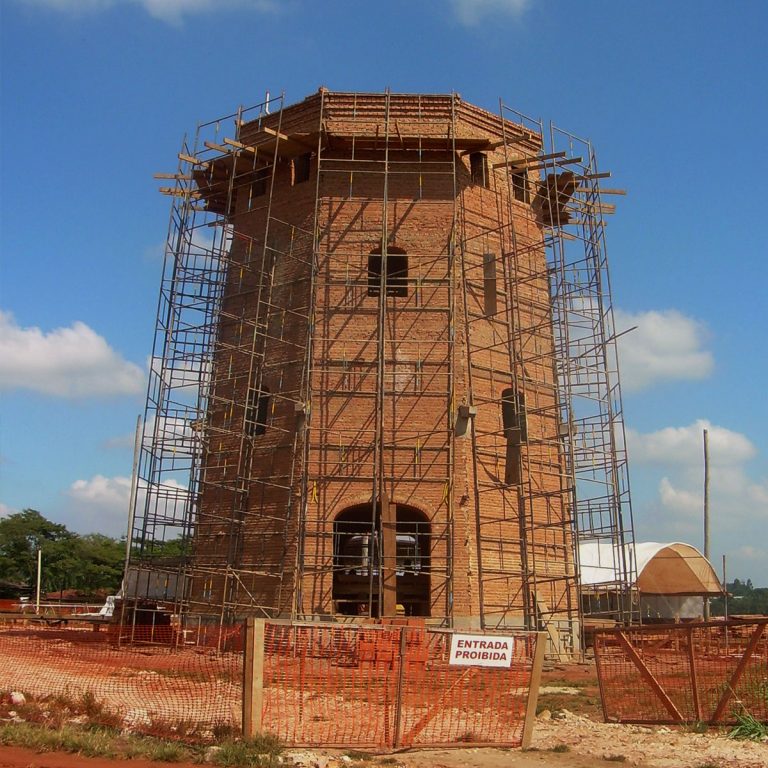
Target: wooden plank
276,134
542,610
603,191
647,675
192,160
533,689
175,192
737,673
253,677
605,175
292,141
694,675
217,147
546,166
240,145
179,176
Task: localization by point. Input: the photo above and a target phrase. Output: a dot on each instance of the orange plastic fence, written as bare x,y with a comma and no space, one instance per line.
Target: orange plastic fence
154,685
323,684
684,673
353,685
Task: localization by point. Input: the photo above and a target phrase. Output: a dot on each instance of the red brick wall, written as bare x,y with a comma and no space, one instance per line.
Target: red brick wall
247,513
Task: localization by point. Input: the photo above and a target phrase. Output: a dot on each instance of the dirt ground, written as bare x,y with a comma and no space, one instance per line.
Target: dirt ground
569,733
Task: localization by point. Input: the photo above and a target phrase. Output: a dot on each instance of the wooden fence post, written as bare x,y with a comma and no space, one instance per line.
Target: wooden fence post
533,690
253,677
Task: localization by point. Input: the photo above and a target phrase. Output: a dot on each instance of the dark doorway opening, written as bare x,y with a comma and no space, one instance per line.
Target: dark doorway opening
357,561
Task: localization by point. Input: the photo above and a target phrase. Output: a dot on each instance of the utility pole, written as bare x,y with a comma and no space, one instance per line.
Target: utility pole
706,513
39,579
132,501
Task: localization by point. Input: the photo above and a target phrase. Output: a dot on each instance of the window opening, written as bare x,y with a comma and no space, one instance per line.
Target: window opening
260,178
520,189
478,168
489,283
396,280
257,411
516,432
301,167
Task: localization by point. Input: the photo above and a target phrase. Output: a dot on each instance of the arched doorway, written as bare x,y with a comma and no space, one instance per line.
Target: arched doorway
357,558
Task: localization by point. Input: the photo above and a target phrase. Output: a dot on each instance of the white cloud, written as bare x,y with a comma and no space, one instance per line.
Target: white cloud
749,552
665,346
170,11
66,362
471,12
5,510
101,503
671,461
679,499
109,492
685,446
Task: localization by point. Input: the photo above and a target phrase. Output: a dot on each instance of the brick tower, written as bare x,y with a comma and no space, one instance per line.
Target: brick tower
382,426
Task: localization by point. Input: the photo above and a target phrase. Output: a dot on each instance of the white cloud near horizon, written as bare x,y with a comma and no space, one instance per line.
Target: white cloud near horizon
471,12
100,504
666,345
169,11
684,446
69,362
672,460
5,510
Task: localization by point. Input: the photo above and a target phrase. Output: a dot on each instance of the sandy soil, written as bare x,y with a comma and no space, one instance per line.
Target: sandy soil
16,757
569,695
588,743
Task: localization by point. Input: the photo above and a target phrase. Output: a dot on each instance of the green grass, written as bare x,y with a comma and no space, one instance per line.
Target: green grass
260,752
616,758
560,748
92,743
359,757
748,728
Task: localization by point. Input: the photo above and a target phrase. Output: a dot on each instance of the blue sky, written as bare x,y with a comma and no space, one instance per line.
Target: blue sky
97,94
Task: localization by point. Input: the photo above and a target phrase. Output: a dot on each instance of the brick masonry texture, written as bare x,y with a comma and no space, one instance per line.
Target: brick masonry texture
269,499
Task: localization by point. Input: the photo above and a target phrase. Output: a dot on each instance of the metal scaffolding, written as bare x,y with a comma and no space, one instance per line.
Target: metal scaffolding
250,334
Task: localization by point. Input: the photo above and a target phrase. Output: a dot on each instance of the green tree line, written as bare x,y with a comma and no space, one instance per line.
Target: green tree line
743,598
87,563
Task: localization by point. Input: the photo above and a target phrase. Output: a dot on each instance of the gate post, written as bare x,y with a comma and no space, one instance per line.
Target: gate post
253,677
533,690
399,687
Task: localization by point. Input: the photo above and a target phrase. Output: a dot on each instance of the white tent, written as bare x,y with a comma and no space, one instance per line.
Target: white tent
672,578
658,569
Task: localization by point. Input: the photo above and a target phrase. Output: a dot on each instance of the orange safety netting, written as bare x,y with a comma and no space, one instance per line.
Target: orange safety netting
323,684
685,673
389,686
150,686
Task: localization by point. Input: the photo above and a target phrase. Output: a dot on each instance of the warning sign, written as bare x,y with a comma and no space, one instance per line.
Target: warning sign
481,650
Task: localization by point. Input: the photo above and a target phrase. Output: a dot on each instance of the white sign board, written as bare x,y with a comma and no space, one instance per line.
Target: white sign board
482,650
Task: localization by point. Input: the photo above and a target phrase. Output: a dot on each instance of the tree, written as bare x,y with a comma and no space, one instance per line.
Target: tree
21,535
744,600
86,563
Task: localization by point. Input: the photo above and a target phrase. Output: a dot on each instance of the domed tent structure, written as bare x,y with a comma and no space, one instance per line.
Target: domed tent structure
672,578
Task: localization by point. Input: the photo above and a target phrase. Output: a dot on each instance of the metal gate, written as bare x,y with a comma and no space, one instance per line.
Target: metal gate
684,673
389,685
